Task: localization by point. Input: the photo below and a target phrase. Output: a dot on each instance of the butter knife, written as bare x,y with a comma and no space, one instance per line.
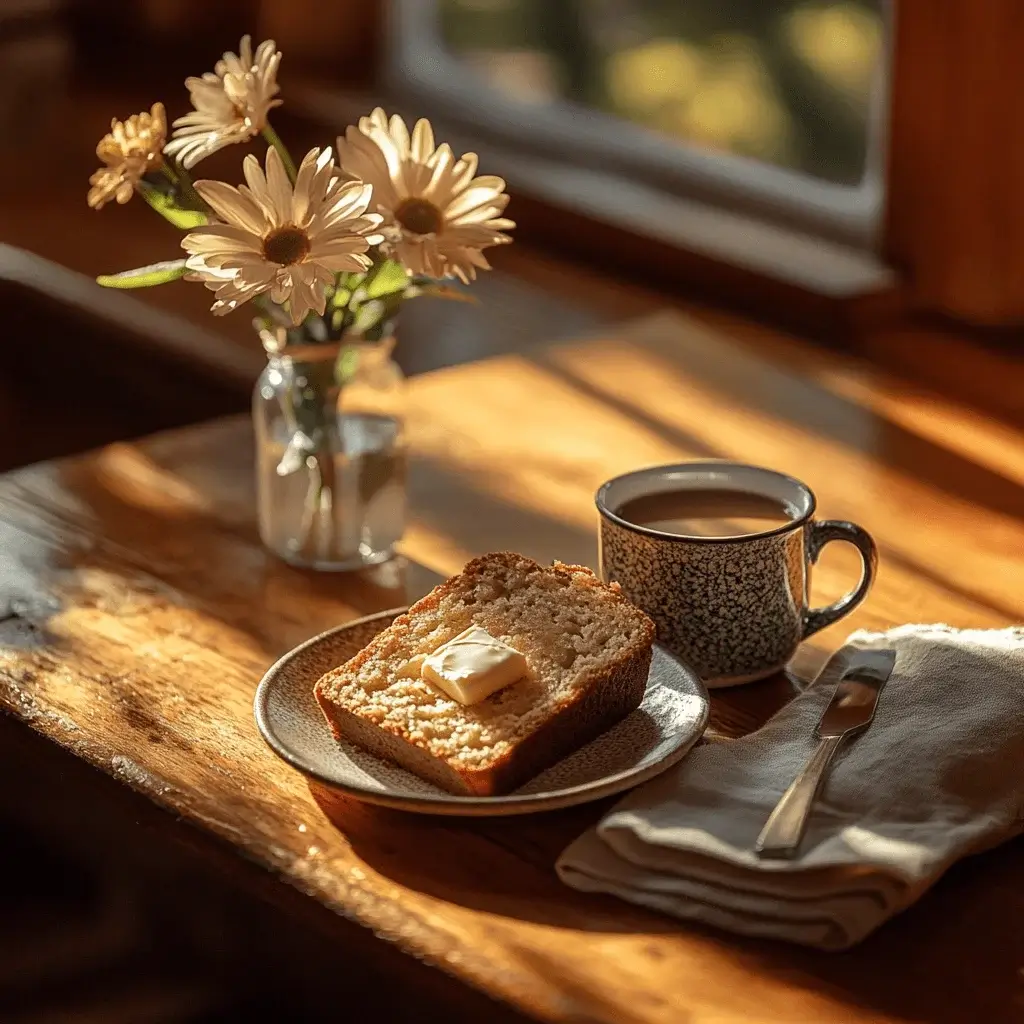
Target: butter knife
850,711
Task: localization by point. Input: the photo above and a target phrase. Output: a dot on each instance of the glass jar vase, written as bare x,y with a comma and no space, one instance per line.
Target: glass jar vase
329,421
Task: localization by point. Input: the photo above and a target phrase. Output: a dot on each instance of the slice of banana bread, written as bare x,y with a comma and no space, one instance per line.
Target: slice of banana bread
588,650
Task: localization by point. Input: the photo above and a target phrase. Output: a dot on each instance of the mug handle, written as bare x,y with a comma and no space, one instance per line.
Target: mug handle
819,534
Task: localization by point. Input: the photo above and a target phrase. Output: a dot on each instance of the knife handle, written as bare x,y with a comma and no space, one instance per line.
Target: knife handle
784,828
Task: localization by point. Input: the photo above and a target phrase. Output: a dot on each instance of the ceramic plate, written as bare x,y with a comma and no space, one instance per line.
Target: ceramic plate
670,720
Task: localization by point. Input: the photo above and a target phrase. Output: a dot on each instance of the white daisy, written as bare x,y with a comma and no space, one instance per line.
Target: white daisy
284,241
231,103
437,215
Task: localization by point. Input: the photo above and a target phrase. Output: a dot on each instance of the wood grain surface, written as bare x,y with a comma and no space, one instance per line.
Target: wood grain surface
138,611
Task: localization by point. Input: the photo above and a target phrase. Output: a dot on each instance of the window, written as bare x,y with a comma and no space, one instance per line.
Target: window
788,82
775,107
894,168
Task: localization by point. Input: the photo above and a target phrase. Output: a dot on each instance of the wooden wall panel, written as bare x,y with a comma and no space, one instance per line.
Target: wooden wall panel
955,223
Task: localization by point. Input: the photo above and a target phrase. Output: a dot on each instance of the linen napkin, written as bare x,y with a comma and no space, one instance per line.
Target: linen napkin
936,777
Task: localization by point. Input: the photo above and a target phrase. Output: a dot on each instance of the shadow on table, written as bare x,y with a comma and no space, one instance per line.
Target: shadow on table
453,504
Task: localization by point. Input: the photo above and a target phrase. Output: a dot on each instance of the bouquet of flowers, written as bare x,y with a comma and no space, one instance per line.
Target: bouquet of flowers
332,246
326,252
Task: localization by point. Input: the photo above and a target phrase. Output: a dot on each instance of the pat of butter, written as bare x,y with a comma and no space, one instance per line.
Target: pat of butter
473,665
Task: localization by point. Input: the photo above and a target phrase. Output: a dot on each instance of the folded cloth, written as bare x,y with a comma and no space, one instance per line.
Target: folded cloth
936,777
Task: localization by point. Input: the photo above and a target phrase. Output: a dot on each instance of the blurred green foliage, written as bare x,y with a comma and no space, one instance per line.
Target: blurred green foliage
785,81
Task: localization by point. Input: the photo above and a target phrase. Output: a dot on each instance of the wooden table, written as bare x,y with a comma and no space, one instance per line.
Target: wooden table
138,612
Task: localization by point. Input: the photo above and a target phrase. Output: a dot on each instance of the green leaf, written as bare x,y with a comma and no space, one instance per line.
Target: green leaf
169,210
346,364
339,300
385,279
144,277
368,314
436,290
376,318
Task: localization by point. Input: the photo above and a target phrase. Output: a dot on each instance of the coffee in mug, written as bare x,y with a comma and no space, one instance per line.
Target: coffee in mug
713,512
719,555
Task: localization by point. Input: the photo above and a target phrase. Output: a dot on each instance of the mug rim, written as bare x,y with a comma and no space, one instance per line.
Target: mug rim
607,513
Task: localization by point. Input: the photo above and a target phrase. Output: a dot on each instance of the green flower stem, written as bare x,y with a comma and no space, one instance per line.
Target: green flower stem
311,412
187,193
159,201
274,140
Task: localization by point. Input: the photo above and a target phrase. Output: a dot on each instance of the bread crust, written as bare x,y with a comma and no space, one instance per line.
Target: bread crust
603,699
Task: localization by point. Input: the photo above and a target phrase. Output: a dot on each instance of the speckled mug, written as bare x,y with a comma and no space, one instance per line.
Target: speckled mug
734,608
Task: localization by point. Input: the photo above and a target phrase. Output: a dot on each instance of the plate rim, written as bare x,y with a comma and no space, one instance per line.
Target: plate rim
453,804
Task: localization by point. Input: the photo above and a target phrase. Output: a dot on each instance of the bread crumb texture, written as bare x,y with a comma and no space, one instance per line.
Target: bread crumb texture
568,623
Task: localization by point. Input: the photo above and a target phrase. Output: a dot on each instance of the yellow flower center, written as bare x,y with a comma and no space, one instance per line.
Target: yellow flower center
420,216
286,246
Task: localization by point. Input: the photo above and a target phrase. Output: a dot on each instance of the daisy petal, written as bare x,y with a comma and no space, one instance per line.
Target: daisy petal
472,198
422,141
303,197
229,204
279,186
464,171
344,263
398,131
